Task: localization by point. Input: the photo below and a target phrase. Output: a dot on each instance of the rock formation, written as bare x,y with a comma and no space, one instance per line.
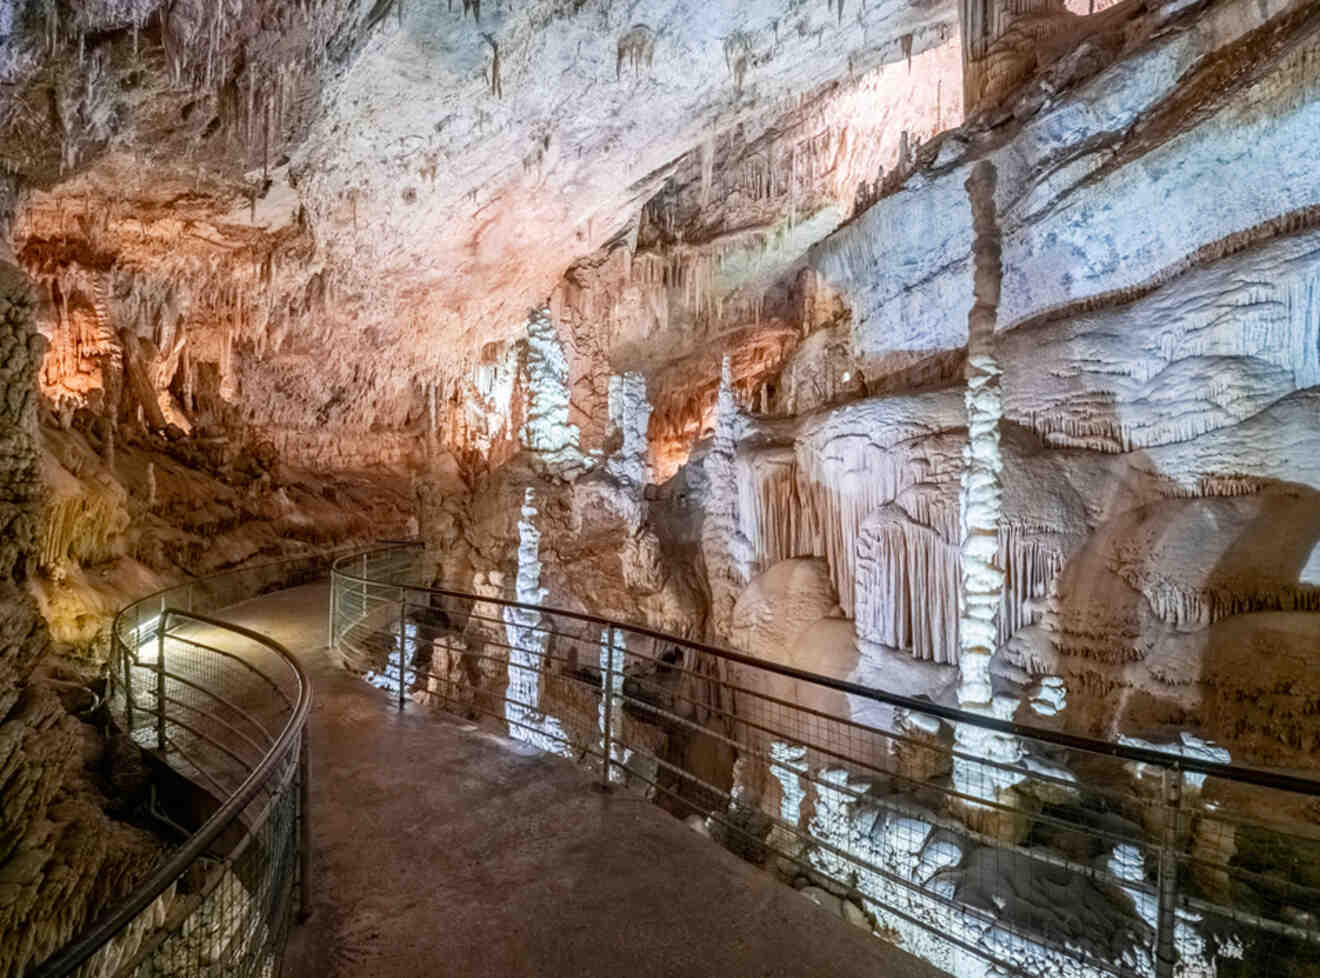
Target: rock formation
63,858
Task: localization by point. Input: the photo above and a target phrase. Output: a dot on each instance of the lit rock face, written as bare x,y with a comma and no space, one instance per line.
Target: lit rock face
1067,199
1103,382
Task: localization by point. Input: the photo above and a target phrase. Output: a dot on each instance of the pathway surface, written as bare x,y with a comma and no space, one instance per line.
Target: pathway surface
440,849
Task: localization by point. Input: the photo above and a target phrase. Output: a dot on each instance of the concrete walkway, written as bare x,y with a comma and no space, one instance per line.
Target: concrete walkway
440,849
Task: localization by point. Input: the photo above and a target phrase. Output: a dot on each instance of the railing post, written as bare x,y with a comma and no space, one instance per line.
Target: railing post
304,839
364,586
330,623
403,644
160,680
117,641
1166,955
607,720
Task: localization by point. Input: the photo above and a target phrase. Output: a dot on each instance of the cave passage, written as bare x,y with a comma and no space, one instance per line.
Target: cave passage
435,843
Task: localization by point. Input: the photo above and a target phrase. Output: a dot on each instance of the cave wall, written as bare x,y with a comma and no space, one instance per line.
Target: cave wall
168,333
65,855
1158,379
1159,401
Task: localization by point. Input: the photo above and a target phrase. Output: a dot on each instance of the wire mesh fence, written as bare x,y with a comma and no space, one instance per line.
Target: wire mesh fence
226,708
984,846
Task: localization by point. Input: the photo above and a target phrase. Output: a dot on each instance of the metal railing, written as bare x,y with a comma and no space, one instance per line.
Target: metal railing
982,845
226,708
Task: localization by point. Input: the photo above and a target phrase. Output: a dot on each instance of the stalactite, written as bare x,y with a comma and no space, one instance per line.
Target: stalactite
81,526
637,48
907,587
496,87
737,55
770,511
840,508
1029,566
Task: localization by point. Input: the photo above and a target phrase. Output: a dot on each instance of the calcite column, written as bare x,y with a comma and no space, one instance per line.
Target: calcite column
982,582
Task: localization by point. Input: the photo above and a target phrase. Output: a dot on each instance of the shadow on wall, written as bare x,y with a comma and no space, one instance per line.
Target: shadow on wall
1191,608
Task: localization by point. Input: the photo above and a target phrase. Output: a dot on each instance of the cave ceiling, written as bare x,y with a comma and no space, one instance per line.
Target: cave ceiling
366,194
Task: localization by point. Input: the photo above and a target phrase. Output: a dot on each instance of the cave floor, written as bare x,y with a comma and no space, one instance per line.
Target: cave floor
442,849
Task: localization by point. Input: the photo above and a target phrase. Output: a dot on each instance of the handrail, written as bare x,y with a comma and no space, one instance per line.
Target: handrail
177,864
80,950
1124,752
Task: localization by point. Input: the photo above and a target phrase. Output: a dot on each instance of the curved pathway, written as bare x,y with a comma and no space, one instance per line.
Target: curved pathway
442,849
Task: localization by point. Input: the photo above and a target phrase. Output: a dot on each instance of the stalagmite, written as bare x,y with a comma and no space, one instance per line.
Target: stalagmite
546,429
527,645
630,415
788,762
725,549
